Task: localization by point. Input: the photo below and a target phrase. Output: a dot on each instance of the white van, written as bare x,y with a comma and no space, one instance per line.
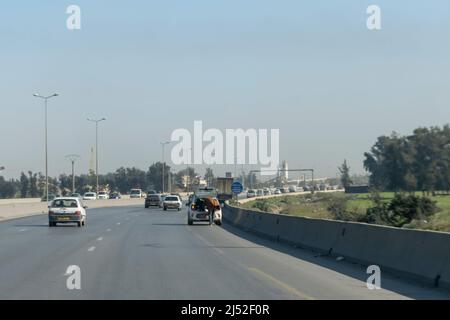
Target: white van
136,193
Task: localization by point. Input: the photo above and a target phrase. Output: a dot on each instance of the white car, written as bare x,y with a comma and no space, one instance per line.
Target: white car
277,191
66,210
172,202
251,193
136,193
103,195
198,212
90,196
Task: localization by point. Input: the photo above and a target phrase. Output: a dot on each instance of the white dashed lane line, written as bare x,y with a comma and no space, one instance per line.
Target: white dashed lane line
22,230
118,223
100,239
91,249
108,230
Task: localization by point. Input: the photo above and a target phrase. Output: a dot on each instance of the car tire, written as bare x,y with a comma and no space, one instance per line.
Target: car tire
51,224
79,224
190,222
165,209
84,222
146,207
218,222
179,209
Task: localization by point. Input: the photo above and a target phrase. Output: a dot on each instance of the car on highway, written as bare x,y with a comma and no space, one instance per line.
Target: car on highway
267,192
76,195
151,192
259,193
115,195
197,207
251,193
136,193
277,191
292,189
172,202
103,195
153,200
90,196
66,210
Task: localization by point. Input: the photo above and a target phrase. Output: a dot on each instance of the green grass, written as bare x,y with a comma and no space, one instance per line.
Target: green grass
316,207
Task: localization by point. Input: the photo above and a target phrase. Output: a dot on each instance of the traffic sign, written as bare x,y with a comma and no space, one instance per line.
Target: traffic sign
236,187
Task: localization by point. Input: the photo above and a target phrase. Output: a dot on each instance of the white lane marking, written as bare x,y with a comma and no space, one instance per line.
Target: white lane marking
22,230
118,223
108,230
100,239
91,249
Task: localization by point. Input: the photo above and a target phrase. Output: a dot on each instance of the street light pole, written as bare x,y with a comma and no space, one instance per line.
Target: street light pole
96,121
163,144
46,140
72,158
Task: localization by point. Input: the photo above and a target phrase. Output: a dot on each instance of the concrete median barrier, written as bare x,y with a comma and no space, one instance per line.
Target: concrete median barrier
416,254
18,208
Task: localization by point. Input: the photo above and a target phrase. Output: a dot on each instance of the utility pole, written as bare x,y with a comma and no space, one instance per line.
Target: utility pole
72,158
45,98
96,121
163,144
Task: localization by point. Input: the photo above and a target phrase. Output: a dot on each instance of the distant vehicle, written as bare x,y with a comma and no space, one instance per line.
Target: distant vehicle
251,193
197,207
151,192
115,195
153,200
90,196
277,191
103,195
266,191
300,189
66,210
76,195
136,193
292,189
284,190
223,186
259,193
172,202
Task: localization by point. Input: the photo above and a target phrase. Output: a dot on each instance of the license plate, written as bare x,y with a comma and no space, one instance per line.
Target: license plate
63,218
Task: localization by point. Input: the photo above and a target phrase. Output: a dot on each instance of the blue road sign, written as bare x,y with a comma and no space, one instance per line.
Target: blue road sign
237,187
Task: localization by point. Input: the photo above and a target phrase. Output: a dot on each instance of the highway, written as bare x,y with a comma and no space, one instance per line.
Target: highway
136,253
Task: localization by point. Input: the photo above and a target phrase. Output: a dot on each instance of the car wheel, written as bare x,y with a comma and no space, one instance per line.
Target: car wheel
190,222
165,209
146,207
218,222
84,222
79,223
179,209
50,224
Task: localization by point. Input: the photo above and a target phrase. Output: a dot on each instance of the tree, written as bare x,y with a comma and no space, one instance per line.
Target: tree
8,189
345,174
33,187
154,176
24,185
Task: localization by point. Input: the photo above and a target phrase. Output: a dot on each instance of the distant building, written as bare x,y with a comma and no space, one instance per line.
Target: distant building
285,172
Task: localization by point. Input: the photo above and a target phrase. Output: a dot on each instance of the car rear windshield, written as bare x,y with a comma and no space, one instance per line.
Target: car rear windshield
64,203
89,194
154,197
135,192
171,198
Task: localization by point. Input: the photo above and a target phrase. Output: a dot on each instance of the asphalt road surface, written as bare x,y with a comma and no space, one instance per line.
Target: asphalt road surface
137,253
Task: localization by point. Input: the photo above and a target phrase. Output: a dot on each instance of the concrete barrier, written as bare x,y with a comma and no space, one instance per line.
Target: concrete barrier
416,254
24,209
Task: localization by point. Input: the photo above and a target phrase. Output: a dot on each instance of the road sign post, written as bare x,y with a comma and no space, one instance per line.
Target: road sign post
236,188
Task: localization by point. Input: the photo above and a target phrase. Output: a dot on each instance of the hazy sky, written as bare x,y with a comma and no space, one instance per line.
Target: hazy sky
309,68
